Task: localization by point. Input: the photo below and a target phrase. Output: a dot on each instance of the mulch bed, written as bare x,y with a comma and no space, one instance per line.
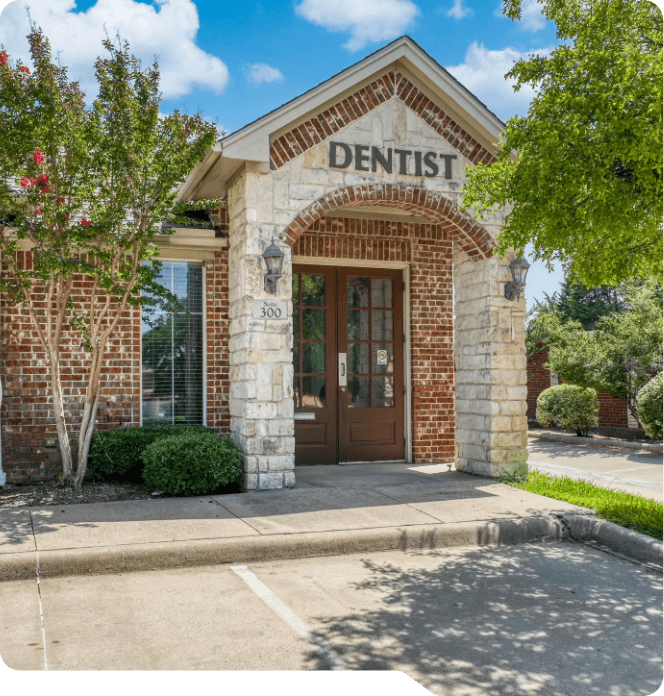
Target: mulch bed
629,434
54,493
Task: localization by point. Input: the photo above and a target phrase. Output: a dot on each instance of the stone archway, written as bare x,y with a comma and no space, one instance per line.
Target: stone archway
472,237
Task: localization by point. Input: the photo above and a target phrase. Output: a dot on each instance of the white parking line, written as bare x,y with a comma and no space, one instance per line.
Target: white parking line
41,614
285,613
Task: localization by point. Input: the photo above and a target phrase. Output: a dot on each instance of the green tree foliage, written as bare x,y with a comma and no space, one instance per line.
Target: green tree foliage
86,190
568,406
583,169
574,301
649,407
621,355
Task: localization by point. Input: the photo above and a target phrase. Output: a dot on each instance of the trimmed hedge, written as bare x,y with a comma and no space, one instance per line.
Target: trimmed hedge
649,404
191,463
116,455
568,406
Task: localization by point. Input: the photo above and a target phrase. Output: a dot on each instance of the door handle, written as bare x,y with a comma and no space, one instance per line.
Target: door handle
343,374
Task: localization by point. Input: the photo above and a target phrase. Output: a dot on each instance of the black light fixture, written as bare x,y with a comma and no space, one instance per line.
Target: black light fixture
274,258
519,268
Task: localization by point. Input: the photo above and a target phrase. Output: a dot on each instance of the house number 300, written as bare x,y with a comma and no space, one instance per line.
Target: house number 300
270,309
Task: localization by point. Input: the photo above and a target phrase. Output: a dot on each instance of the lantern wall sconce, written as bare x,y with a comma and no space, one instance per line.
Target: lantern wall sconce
519,269
274,259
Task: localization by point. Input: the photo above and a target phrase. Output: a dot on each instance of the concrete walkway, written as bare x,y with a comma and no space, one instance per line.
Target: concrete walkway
333,510
628,470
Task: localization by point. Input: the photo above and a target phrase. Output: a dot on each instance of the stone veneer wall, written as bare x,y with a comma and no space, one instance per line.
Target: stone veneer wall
260,352
490,354
429,251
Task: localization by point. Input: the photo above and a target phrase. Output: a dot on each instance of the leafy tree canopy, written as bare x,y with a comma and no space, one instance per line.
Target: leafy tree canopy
620,356
575,302
583,170
85,190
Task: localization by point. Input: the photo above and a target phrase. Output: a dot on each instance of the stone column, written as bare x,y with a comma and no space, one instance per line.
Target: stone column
490,369
261,362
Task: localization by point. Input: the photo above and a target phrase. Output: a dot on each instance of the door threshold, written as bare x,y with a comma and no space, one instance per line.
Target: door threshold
375,461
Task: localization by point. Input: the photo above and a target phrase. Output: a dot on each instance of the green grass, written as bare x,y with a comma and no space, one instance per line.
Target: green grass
625,509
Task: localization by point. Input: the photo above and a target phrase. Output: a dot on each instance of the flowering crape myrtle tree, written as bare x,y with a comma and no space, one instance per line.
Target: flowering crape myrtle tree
85,190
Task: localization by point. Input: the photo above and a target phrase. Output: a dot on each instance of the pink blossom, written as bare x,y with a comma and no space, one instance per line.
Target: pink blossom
42,177
38,157
37,211
85,222
3,57
24,68
33,181
25,182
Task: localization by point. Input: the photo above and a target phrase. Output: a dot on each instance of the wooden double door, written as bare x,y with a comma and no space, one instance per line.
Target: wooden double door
348,364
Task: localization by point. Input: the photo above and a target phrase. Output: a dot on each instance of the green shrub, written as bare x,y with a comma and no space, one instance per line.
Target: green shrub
649,406
191,463
117,454
568,406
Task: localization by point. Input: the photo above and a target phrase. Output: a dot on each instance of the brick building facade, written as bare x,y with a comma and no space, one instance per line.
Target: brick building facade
387,336
613,412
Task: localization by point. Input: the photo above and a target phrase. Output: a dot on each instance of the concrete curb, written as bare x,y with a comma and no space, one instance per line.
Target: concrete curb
142,557
598,441
632,544
178,554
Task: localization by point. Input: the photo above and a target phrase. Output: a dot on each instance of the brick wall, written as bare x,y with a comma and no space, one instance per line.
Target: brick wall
429,250
218,385
539,379
612,411
29,441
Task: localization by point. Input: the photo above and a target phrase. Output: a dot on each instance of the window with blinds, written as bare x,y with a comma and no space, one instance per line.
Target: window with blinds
172,349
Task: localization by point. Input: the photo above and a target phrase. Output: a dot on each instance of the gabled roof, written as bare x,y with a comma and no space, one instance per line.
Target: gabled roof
251,143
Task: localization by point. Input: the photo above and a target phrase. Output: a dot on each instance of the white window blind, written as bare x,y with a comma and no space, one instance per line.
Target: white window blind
172,350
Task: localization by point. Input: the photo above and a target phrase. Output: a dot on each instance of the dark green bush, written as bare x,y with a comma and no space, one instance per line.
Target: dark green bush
649,407
568,406
117,454
191,463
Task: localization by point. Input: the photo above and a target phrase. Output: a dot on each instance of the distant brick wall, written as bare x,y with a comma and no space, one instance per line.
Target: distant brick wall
429,250
612,411
539,379
29,440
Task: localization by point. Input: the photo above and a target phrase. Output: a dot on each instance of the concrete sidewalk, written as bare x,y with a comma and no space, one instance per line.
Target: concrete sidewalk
333,510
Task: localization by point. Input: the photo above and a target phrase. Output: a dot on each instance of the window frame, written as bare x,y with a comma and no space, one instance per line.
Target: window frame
204,336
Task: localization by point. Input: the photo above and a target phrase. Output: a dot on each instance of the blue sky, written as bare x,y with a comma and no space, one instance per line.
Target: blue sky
236,61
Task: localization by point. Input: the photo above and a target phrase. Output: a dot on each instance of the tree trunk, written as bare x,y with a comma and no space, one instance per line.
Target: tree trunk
87,429
61,424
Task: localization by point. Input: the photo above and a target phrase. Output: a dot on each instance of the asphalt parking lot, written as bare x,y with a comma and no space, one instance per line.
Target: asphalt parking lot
537,619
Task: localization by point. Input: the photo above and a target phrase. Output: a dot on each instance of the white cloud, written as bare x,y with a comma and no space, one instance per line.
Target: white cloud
459,11
166,29
483,73
532,18
368,21
262,74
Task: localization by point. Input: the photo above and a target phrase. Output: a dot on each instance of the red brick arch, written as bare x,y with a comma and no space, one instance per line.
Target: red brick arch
471,236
